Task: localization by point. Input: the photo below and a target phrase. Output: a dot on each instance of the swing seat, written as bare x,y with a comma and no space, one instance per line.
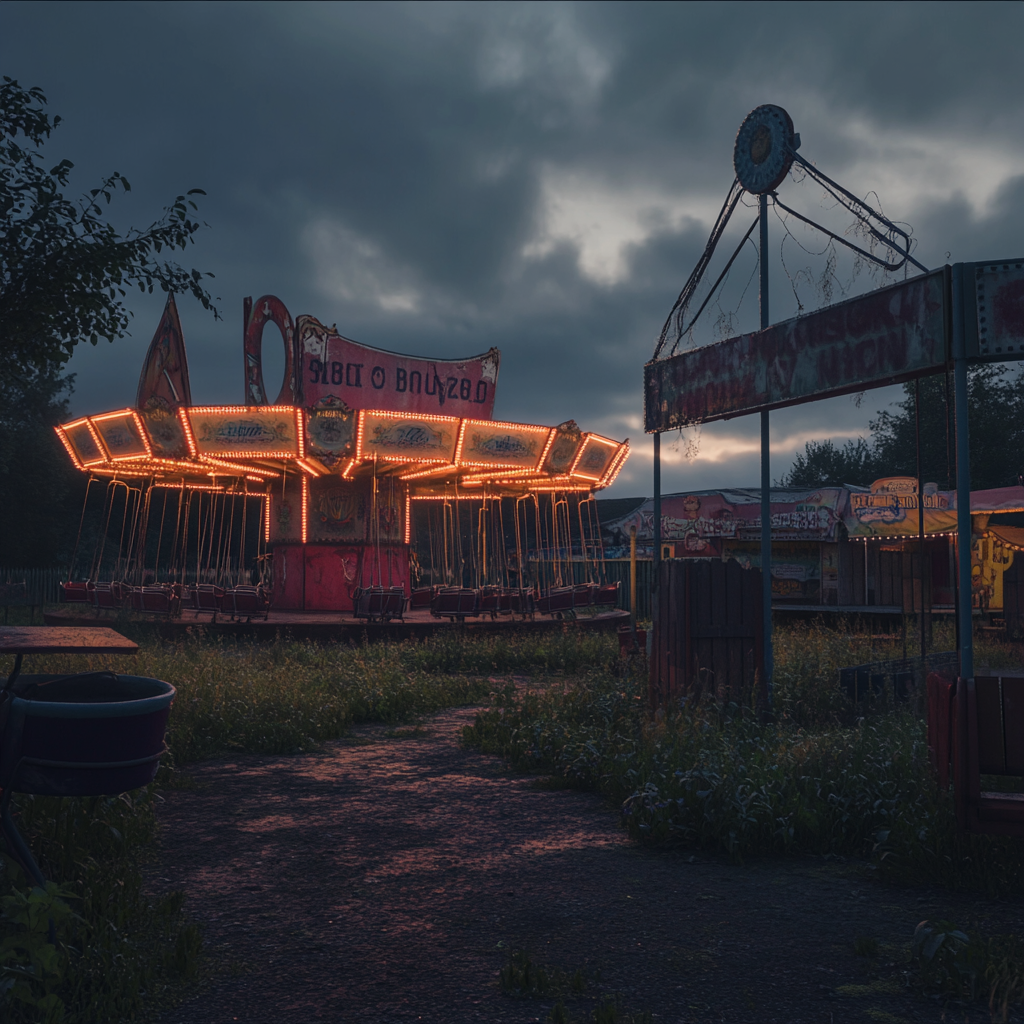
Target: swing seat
247,601
556,601
159,600
208,598
583,595
983,719
421,597
394,603
455,602
495,601
521,602
379,603
106,595
369,602
606,595
74,593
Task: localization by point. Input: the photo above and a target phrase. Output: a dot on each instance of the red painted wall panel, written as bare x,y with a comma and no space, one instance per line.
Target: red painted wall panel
323,577
289,571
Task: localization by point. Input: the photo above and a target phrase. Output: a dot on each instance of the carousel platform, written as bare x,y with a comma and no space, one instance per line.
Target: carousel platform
324,626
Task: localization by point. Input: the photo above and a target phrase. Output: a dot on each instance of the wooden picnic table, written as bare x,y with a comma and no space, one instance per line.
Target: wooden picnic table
22,640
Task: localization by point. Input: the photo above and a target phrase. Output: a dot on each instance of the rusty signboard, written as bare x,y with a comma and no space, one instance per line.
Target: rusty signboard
323,368
885,337
994,310
268,309
330,365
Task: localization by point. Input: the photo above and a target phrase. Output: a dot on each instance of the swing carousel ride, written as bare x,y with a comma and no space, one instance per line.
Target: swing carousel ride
375,486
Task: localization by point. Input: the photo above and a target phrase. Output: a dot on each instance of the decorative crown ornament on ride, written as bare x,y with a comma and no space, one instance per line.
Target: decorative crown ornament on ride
362,451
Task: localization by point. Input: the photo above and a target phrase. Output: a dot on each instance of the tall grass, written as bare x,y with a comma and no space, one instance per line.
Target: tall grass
121,953
238,697
818,779
118,951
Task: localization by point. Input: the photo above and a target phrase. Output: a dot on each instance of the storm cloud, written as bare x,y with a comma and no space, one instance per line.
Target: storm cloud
439,178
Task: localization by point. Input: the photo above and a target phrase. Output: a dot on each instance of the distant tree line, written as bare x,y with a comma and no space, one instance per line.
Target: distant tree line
995,399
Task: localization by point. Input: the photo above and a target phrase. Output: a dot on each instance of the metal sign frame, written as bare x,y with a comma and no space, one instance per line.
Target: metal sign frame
980,307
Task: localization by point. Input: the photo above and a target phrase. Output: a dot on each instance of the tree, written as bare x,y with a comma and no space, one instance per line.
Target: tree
995,405
64,277
64,270
42,490
822,463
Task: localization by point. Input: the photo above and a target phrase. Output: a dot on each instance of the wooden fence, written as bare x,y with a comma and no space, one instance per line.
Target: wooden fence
708,633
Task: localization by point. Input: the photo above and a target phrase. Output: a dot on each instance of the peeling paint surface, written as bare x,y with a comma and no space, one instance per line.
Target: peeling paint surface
885,337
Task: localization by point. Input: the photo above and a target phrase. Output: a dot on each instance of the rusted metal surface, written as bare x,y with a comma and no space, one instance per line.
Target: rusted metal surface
887,336
164,386
267,309
994,310
708,633
164,379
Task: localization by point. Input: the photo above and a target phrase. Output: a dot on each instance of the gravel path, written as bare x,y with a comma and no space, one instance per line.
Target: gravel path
388,879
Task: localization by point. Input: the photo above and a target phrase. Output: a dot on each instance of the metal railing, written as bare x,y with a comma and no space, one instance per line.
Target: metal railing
33,587
896,676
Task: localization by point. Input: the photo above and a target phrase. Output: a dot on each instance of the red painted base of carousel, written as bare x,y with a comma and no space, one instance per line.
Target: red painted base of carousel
324,577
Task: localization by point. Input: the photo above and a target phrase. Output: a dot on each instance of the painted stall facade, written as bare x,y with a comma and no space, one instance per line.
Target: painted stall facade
840,547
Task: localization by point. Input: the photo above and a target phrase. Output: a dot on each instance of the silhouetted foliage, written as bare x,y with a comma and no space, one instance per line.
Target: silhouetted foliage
823,463
995,398
64,271
42,491
64,275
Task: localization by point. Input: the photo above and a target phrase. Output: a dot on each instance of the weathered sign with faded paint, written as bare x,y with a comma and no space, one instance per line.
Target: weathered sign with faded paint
890,508
323,368
885,337
994,310
261,432
363,377
697,521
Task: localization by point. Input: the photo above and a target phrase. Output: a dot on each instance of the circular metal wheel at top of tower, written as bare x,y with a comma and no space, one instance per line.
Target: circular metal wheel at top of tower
765,147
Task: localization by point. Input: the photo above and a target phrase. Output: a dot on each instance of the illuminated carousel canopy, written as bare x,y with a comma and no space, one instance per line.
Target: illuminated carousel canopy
345,410
231,445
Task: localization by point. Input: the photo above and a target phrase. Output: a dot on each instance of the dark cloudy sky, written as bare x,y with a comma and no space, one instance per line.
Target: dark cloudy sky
438,178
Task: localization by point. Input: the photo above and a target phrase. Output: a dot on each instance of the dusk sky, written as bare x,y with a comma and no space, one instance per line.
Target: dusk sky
438,178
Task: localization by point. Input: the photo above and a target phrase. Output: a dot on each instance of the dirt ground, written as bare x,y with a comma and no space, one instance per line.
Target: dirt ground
389,877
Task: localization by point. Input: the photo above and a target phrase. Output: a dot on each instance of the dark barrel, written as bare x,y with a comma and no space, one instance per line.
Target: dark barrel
96,734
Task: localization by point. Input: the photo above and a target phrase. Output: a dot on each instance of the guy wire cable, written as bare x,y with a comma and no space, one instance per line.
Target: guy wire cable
678,311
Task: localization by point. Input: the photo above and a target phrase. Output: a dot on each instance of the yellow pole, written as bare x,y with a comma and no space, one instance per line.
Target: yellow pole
632,578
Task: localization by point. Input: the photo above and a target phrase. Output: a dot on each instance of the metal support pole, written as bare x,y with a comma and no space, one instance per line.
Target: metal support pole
632,582
657,507
963,479
920,520
766,477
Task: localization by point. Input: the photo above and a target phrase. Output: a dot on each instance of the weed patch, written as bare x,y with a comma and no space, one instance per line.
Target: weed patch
816,780
119,951
954,964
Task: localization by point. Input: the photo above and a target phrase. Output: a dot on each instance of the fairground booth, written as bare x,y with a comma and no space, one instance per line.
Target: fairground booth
852,549
368,479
